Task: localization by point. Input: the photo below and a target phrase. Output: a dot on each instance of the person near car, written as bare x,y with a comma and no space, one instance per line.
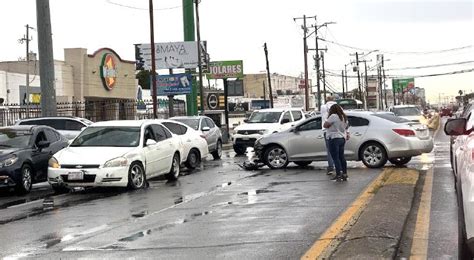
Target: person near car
324,115
336,125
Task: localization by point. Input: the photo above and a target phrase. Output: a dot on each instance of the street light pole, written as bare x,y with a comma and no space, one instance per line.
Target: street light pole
198,31
153,65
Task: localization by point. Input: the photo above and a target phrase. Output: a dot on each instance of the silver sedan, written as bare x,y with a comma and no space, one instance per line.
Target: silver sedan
374,139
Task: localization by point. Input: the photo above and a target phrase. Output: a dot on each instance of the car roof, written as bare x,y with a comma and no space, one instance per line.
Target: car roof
402,106
29,128
131,123
278,109
54,117
188,117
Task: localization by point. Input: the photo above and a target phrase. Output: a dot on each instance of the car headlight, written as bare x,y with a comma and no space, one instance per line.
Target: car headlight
9,161
53,163
116,162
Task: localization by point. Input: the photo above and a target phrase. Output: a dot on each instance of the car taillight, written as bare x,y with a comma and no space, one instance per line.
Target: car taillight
404,132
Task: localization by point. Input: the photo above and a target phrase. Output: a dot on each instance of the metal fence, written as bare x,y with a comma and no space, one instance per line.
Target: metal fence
93,110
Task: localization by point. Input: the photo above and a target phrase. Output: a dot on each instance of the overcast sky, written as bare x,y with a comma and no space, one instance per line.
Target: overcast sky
238,29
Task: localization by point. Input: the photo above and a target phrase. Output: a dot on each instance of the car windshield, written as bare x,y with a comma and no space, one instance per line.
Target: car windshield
193,123
14,138
108,136
392,118
264,117
406,111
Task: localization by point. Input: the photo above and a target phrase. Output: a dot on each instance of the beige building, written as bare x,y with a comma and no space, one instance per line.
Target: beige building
281,85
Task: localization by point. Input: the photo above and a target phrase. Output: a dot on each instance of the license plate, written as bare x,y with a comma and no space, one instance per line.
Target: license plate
75,176
245,138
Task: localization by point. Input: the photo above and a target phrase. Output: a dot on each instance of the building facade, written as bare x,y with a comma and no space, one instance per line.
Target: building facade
254,85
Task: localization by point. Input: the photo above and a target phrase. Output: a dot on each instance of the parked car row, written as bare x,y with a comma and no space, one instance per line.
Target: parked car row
121,153
461,131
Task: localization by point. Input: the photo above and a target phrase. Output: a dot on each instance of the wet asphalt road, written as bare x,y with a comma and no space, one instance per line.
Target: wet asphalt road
219,211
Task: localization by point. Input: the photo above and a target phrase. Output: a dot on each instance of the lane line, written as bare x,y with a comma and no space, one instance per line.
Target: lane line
419,246
330,238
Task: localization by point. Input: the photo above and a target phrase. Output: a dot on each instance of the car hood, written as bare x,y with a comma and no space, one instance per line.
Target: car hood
90,155
257,126
6,152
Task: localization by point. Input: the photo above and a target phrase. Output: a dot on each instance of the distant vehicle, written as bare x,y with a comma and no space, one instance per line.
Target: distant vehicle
375,138
462,161
194,143
446,112
257,104
122,153
67,126
205,126
24,155
409,112
264,122
350,104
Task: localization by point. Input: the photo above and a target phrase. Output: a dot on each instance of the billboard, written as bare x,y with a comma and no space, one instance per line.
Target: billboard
169,55
176,84
235,88
225,69
399,85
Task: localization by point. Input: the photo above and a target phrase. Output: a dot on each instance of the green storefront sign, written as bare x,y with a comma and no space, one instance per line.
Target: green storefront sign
225,69
398,85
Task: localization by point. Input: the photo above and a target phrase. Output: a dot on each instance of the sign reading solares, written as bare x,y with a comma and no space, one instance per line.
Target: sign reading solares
404,85
225,69
175,84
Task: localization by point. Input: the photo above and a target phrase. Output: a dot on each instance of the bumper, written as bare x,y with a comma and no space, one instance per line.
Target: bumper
97,177
245,140
405,147
9,176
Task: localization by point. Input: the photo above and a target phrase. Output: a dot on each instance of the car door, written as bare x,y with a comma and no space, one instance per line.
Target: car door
152,152
185,139
461,148
207,134
213,134
307,141
166,148
358,128
39,156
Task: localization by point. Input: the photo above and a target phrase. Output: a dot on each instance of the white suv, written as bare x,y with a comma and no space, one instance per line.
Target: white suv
409,112
264,122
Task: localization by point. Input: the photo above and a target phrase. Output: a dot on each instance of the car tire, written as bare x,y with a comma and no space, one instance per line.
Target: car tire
303,163
175,170
26,180
194,159
217,154
136,176
275,157
60,189
239,150
373,155
399,161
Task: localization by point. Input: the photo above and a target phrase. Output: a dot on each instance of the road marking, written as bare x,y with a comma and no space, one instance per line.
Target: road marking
419,246
330,238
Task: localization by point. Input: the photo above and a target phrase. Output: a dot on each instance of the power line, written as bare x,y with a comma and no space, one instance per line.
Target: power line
413,76
141,8
434,65
400,52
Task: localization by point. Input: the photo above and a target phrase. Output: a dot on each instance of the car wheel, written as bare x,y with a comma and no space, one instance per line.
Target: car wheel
373,155
60,189
193,160
303,163
136,176
239,150
174,172
26,180
276,157
217,154
400,160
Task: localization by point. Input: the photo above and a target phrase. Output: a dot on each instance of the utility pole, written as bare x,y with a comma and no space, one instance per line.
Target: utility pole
264,94
366,97
265,49
189,35
198,30
342,78
153,65
358,76
46,59
324,77
384,85
170,101
26,39
345,73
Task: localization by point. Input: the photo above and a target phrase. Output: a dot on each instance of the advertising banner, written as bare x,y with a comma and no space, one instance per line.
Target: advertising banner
225,69
169,55
176,84
404,85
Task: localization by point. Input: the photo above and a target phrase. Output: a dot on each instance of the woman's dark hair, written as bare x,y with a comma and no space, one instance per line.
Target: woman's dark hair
336,109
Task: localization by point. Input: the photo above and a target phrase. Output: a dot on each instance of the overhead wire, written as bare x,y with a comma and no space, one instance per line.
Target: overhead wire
141,8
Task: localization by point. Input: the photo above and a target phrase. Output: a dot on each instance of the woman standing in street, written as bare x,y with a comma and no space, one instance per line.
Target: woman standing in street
336,134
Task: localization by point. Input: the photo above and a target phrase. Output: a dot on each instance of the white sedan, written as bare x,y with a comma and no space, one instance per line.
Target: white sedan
117,153
193,142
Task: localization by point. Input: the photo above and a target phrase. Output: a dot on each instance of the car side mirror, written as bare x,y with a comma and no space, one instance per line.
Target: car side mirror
455,127
150,142
285,120
246,120
206,128
42,144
